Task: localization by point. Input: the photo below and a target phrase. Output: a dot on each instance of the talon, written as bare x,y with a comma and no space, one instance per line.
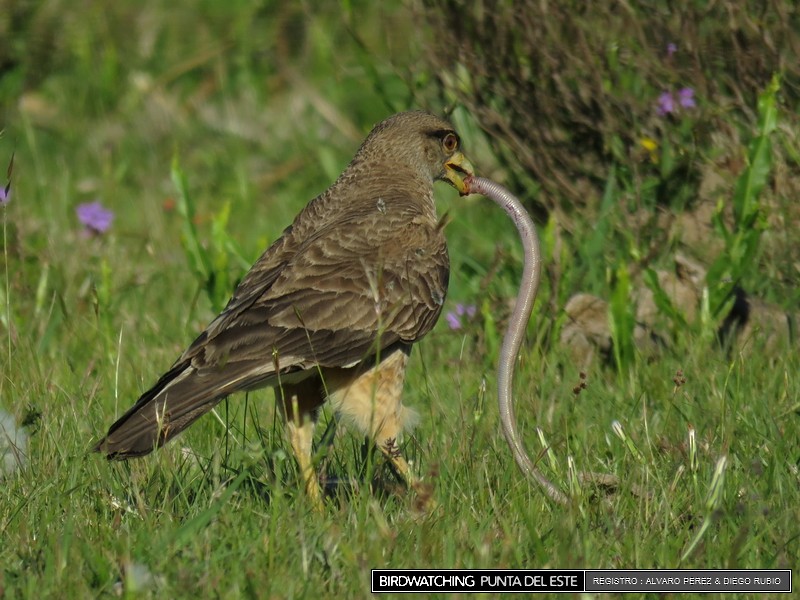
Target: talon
391,449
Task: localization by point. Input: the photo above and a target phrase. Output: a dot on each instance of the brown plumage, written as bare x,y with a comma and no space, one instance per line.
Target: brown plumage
331,309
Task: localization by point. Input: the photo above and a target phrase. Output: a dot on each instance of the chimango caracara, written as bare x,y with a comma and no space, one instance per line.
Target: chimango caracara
331,309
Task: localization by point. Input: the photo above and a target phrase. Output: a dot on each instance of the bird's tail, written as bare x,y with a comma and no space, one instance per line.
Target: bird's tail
180,397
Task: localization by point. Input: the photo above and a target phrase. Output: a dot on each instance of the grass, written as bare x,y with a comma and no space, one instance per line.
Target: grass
90,322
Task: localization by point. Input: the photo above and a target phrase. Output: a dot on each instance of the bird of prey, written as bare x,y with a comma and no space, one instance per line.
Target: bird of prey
331,309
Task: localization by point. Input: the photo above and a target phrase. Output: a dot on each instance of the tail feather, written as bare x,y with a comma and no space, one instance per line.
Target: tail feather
181,396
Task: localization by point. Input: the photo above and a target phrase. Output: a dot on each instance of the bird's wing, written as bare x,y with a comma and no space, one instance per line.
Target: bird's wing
362,283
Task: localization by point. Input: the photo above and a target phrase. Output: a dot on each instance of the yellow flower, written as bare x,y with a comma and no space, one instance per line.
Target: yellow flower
651,146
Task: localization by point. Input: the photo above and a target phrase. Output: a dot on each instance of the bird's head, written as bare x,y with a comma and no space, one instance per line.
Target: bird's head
422,142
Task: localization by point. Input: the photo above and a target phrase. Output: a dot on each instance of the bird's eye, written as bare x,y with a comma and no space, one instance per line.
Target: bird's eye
450,143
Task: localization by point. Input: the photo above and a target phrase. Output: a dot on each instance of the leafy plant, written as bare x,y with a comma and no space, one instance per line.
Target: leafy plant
211,264
742,239
622,320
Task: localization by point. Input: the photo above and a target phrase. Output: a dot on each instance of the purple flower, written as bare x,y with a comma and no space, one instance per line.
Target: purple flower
453,320
666,104
462,310
686,97
468,310
672,48
95,217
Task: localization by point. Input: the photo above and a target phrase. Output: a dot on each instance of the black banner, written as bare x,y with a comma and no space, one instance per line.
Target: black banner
574,580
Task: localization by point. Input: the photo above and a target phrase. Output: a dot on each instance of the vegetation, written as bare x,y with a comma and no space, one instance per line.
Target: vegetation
204,127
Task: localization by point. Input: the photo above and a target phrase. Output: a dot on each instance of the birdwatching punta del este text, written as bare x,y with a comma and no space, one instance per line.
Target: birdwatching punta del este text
582,580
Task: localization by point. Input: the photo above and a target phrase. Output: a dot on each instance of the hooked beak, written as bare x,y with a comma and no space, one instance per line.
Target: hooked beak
456,169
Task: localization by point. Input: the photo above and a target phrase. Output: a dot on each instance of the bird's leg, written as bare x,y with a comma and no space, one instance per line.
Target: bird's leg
301,437
299,406
389,417
372,401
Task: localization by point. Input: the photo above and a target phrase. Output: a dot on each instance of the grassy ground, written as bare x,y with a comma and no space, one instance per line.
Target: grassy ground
263,107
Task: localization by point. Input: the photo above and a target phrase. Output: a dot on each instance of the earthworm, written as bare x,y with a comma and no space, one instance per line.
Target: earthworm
531,274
